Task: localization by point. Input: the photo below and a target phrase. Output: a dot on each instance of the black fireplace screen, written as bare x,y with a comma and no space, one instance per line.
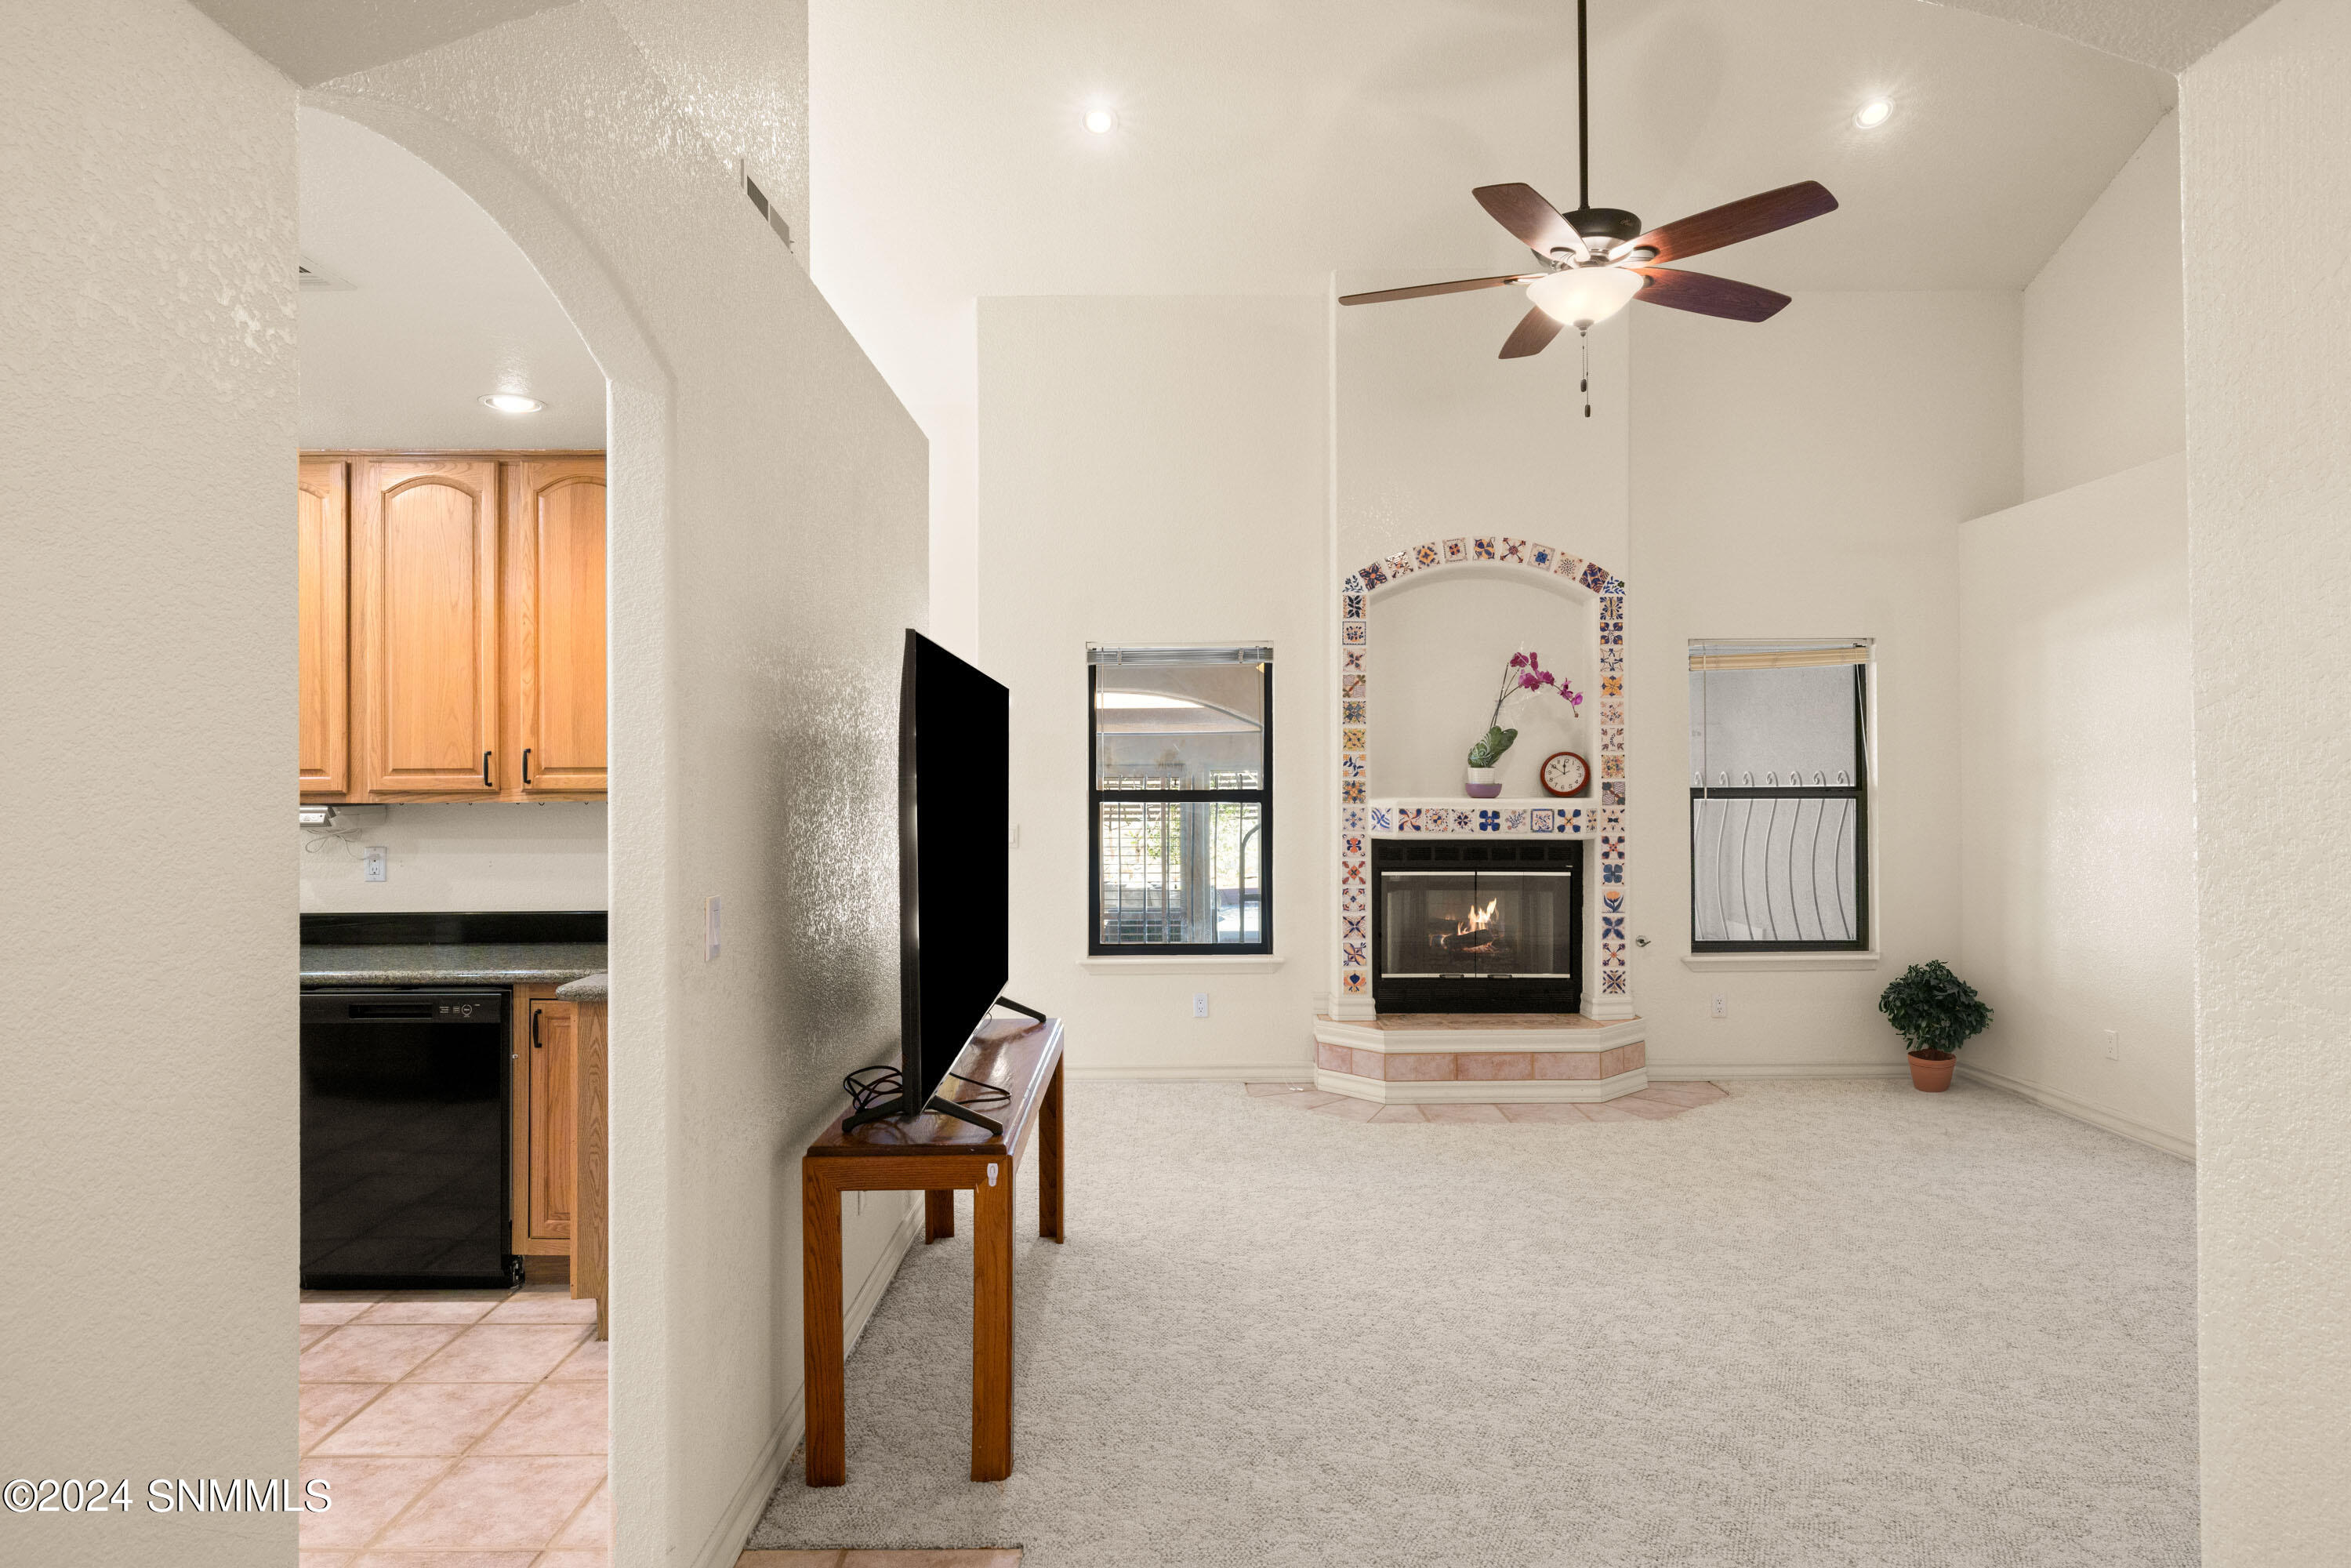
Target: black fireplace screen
1478,927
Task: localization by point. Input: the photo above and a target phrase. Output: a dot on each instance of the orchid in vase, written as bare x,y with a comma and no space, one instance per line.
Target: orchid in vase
1523,677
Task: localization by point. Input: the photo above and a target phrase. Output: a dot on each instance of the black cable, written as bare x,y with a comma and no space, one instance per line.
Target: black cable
869,1086
990,1094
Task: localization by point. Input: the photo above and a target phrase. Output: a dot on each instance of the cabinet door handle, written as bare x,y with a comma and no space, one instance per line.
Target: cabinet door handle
526,767
534,1028
486,772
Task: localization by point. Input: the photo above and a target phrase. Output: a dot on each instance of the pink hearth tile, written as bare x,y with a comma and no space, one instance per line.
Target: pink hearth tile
523,1354
326,1406
423,1419
1609,1110
1554,1113
372,1353
448,1559
1348,1109
593,1359
1461,1114
574,1557
459,1313
1312,1098
363,1495
1367,1064
1333,1058
496,1504
543,1307
311,1334
1622,1058
1399,1113
553,1419
1648,1109
1567,1064
341,1310
1493,1066
324,1559
592,1527
1682,1095
1420,1066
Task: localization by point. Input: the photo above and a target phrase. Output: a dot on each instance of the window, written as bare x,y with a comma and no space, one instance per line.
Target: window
1779,796
1181,755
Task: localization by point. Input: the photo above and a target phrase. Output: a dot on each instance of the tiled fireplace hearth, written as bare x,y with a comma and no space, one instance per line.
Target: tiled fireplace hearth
1384,1042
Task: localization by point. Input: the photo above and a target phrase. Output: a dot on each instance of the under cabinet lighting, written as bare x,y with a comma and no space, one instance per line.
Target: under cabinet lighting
513,403
1874,114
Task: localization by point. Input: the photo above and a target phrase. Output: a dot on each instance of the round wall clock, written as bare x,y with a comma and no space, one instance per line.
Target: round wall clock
1563,773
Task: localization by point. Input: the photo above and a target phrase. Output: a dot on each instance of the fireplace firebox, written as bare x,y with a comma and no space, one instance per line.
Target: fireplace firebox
1494,927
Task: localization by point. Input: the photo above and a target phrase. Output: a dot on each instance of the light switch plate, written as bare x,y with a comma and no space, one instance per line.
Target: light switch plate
710,930
379,863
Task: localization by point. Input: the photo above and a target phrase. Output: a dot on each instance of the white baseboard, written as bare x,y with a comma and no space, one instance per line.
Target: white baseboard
724,1545
2114,1121
1214,1072
1482,1091
1682,1072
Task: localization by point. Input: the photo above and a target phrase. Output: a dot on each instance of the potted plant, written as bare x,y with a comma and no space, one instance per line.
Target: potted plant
1935,1012
1524,674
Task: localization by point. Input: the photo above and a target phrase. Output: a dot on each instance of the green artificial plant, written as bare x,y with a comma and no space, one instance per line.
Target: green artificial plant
1933,1010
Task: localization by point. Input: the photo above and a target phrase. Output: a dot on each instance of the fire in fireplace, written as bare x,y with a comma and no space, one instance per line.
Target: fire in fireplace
1478,927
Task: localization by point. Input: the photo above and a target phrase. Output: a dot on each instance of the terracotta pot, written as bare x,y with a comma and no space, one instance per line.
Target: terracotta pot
1930,1071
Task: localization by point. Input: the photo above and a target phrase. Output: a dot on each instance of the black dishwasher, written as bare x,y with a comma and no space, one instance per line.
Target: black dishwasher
405,1120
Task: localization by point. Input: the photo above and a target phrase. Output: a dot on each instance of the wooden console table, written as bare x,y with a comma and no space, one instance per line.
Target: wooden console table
935,1155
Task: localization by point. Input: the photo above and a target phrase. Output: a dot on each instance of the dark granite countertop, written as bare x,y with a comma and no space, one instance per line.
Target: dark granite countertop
596,987
452,963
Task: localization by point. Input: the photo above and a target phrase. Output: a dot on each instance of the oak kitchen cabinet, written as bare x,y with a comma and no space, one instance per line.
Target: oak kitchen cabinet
545,1130
453,626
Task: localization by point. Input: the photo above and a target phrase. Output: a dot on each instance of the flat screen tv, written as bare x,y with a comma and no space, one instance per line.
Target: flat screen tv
955,768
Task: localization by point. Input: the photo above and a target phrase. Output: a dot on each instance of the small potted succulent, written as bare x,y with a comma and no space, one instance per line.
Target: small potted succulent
1935,1012
1523,676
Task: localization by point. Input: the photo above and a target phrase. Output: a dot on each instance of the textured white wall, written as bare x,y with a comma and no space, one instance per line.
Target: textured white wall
2078,805
1808,478
2104,388
147,390
768,541
1152,471
2267,167
493,855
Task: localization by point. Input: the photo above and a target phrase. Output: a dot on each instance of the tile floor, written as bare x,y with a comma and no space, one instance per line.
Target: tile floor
458,1429
1654,1104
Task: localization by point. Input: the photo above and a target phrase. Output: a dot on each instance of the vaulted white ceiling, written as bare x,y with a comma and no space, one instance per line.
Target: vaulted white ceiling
1264,144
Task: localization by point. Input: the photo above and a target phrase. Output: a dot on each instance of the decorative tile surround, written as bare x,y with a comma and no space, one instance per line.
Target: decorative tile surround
1362,817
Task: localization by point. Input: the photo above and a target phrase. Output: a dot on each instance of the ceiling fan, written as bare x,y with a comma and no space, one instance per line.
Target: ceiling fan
1597,260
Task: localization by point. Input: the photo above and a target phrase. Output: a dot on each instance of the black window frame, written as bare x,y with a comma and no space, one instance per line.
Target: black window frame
1096,797
1857,792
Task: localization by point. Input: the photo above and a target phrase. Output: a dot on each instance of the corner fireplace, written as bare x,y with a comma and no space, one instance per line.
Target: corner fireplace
1492,927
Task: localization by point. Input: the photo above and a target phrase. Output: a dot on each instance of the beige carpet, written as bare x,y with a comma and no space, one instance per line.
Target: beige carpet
1810,1324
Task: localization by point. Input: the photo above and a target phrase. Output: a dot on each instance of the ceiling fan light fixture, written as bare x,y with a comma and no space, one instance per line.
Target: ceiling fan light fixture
513,403
1874,114
1585,297
1102,122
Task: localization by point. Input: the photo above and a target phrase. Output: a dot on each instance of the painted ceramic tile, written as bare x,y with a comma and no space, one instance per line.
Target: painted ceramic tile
1351,604
1514,550
1490,821
1351,901
1611,841
1350,740
1612,983
1612,713
1351,685
1514,821
1615,586
1353,585
1568,565
1612,608
1351,765
1350,872
1350,821
1354,658
1401,564
1612,872
1612,793
1383,820
1351,792
1463,822
1426,555
1612,737
1611,928
1541,819
1611,685
1352,844
1375,574
1351,953
1353,712
1408,820
1612,765
1457,549
1481,548
1352,632
1612,902
1611,661
1542,555
1354,982
1351,925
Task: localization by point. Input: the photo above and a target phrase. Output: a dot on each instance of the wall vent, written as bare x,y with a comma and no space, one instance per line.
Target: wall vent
759,200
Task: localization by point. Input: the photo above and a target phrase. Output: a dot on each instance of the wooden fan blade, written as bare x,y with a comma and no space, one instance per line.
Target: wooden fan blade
1522,210
1707,295
1739,220
1532,335
1421,290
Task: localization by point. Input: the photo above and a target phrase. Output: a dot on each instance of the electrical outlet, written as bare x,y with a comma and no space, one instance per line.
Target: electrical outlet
2113,1046
710,931
379,863
1199,1004
1721,1005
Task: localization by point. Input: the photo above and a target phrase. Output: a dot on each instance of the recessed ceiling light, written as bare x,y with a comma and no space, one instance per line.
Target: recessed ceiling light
1102,122
513,403
1874,114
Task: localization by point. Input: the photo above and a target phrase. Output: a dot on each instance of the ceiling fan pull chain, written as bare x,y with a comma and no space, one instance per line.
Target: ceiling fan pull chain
1585,333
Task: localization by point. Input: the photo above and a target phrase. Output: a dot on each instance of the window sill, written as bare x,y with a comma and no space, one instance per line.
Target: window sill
1782,960
1182,964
